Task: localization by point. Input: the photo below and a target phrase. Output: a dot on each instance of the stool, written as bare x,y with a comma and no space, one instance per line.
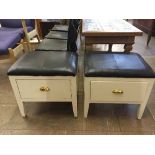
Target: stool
45,77
117,78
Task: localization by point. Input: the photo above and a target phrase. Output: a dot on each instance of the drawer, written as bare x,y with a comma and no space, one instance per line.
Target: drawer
117,91
44,89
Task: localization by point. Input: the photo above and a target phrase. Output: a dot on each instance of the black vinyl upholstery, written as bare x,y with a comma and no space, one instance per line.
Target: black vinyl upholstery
43,63
76,23
57,35
52,45
61,28
116,64
60,44
64,28
72,36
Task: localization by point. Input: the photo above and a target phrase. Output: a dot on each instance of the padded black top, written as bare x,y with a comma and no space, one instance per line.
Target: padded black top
63,28
52,45
116,64
43,63
57,35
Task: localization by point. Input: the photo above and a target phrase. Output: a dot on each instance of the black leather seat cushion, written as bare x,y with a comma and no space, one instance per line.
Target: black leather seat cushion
43,63
57,35
52,45
116,64
63,28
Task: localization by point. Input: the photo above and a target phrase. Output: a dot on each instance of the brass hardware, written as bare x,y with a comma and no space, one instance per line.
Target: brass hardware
47,89
44,88
116,91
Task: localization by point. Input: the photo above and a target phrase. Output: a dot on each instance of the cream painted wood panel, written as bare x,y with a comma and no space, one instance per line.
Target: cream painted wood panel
127,90
58,89
130,91
53,88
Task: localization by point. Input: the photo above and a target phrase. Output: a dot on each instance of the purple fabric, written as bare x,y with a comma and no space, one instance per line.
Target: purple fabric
8,39
11,33
15,30
16,23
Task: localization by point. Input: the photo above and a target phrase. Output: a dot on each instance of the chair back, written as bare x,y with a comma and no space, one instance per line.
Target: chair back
72,35
31,34
76,23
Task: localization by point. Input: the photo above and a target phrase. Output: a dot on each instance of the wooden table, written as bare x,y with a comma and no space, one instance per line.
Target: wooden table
110,32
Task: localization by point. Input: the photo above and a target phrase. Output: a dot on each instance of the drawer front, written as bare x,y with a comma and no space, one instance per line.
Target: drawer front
44,89
117,91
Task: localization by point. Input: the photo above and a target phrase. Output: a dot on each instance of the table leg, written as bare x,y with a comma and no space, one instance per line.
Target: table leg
150,32
110,48
88,47
127,47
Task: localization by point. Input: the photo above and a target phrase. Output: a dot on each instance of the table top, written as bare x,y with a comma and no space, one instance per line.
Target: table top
108,27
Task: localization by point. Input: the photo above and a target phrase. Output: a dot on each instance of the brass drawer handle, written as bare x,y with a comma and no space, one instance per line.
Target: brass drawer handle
116,91
44,88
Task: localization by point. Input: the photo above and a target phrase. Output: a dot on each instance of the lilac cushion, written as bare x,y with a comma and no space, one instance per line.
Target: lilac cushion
15,30
16,23
8,39
11,33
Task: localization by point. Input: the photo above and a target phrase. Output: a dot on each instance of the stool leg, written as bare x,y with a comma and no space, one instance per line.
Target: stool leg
74,106
141,110
21,108
148,39
86,96
143,104
74,96
86,108
17,95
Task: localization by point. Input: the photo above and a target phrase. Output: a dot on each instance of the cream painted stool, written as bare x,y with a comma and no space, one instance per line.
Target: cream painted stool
43,76
115,77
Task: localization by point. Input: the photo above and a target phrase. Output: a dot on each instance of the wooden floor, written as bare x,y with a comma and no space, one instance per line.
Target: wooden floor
57,118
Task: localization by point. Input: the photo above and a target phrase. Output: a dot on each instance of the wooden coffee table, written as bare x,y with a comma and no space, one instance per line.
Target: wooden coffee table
110,32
